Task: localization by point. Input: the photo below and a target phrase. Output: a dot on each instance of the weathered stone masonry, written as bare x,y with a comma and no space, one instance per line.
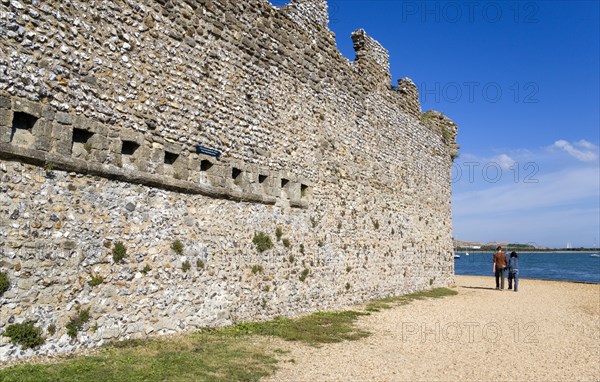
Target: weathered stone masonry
102,105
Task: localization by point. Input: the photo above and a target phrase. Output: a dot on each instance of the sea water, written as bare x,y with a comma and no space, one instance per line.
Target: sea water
567,266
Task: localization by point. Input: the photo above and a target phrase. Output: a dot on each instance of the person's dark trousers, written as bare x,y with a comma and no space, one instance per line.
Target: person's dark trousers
511,276
499,275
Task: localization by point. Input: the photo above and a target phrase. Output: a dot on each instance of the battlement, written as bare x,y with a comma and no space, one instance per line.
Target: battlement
409,97
372,59
306,12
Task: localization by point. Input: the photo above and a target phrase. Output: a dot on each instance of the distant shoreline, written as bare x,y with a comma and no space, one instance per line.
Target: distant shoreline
530,251
534,279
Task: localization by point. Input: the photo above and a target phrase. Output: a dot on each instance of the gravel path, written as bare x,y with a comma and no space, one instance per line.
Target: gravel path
548,331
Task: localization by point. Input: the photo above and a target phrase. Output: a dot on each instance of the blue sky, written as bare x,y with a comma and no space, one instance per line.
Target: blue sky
521,79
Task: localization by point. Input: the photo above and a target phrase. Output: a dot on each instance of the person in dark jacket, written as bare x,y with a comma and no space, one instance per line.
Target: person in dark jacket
513,270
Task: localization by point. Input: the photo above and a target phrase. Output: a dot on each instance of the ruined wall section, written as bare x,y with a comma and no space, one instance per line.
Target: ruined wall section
270,90
309,13
372,61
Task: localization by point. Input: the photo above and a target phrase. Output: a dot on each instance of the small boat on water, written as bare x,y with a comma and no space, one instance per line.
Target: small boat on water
466,253
595,255
456,256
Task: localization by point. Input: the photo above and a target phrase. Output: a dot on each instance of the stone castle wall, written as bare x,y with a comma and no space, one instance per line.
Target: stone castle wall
102,105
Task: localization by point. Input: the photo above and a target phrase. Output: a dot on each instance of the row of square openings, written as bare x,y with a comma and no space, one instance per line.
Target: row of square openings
236,173
24,122
128,148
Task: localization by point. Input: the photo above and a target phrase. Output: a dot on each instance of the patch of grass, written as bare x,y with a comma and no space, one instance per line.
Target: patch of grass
262,241
446,135
128,343
196,357
286,242
304,274
147,268
200,264
77,321
388,302
119,252
4,283
185,266
378,305
49,167
432,293
25,334
278,233
95,280
257,269
317,328
177,247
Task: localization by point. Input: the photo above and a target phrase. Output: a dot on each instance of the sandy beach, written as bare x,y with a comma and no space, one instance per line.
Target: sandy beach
548,331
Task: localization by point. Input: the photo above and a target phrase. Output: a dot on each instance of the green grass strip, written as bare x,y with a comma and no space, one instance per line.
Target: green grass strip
195,357
314,329
211,355
389,302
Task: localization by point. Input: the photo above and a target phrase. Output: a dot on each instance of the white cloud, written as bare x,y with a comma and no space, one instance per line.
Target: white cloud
504,161
538,197
548,191
561,206
587,154
586,145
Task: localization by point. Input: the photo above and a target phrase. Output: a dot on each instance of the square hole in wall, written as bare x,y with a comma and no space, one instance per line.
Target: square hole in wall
129,147
235,173
170,158
81,136
262,178
205,165
80,143
23,120
303,190
284,182
22,124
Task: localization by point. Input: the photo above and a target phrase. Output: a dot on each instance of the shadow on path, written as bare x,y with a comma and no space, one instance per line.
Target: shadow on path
473,287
